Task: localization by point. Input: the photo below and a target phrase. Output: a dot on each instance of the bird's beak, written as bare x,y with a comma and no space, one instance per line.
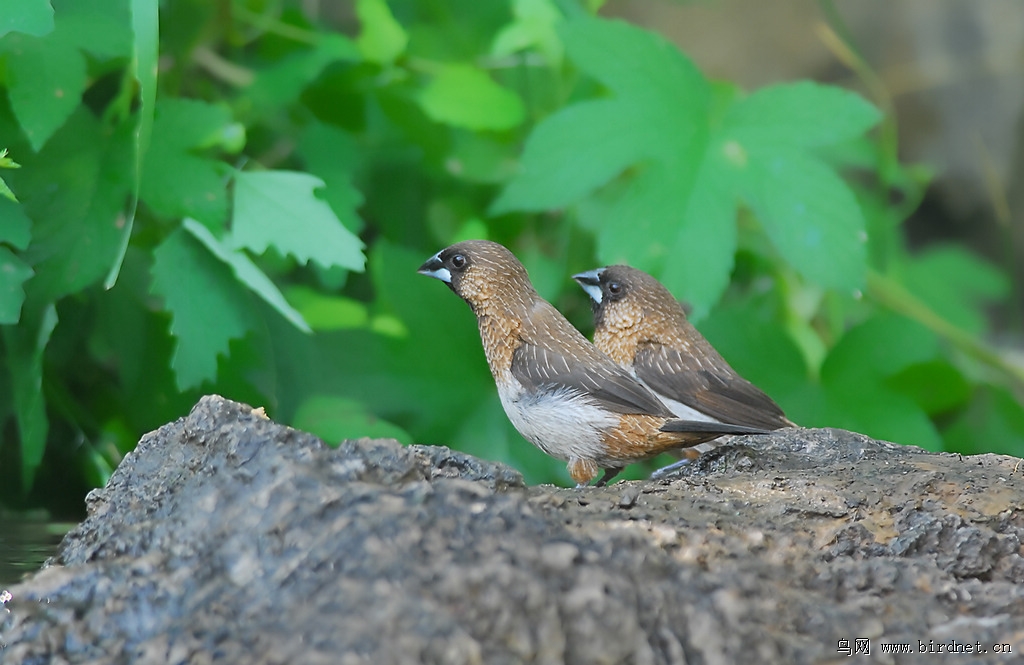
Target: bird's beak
434,267
591,283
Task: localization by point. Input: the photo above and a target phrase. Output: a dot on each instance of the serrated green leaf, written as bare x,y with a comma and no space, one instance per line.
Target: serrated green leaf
636,65
382,39
809,213
326,312
176,182
800,114
77,225
247,273
45,78
280,208
681,129
207,305
15,226
31,17
663,101
464,96
330,154
334,419
13,273
25,345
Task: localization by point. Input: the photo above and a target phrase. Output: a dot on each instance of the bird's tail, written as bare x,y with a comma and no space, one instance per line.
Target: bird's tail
705,427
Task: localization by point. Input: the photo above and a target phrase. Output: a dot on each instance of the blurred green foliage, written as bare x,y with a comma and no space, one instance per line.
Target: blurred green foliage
248,219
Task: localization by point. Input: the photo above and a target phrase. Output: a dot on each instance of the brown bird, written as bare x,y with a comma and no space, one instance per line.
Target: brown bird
559,391
644,329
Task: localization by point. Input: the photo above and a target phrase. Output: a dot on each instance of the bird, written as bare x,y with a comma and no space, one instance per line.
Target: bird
642,327
561,393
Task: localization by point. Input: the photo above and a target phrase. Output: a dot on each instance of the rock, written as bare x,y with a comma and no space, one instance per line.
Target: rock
225,537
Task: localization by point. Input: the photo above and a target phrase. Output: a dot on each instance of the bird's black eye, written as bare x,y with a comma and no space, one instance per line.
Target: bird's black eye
458,261
614,288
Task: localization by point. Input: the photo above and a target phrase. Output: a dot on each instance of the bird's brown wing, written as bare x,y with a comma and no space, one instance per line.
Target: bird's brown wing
597,378
708,385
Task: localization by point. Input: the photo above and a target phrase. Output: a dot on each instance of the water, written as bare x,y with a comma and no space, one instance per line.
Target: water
26,541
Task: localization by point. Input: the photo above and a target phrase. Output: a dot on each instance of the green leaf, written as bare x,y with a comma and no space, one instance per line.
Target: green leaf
637,218
13,273
707,238
176,182
477,158
663,100
533,27
7,163
25,345
207,305
102,27
15,226
664,129
280,208
334,419
382,39
992,422
32,17
935,385
562,162
45,78
76,225
464,96
145,52
810,214
325,312
247,273
281,84
882,346
638,67
956,285
802,114
856,373
330,154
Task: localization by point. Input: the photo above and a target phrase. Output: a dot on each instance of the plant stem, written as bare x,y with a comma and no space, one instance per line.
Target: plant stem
893,295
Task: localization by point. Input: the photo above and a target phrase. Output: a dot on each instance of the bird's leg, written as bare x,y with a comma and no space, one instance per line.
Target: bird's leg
664,471
608,475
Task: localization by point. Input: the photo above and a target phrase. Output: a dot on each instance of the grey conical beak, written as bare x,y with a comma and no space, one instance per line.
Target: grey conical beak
591,283
434,267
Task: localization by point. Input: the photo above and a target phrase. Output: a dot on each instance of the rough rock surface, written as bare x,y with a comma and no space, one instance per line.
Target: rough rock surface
228,538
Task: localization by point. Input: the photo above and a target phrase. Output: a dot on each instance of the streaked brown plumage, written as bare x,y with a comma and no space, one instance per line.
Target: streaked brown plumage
560,392
642,327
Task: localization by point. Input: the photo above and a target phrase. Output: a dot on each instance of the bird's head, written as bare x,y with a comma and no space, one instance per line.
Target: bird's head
622,296
480,272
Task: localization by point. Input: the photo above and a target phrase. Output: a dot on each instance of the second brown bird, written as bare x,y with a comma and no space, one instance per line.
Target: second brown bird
642,327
